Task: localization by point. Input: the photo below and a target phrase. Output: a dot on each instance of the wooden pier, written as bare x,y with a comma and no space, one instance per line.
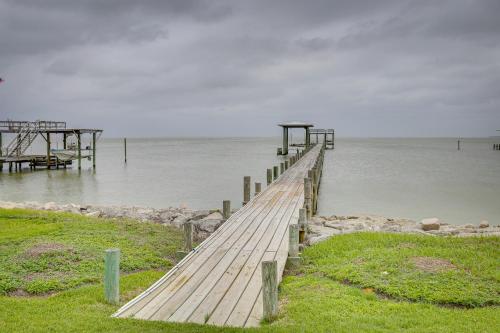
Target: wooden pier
24,134
220,281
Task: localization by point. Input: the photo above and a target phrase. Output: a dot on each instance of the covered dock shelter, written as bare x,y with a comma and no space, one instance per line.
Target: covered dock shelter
294,124
24,134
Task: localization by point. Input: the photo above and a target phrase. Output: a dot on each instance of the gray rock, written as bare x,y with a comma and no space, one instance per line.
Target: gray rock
93,214
316,239
337,226
484,224
430,224
179,220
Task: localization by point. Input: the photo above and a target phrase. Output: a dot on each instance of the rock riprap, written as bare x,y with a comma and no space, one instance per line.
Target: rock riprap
205,221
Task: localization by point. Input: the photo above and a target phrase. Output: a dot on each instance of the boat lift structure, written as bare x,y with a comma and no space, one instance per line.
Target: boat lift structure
25,133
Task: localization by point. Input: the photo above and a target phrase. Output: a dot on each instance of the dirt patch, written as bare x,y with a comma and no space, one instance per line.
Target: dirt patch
405,245
359,261
432,265
46,248
46,276
19,293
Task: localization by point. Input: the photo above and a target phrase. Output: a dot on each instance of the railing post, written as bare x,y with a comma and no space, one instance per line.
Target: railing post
270,289
307,197
286,165
269,176
258,188
246,189
282,168
112,276
293,259
226,209
275,172
303,225
188,236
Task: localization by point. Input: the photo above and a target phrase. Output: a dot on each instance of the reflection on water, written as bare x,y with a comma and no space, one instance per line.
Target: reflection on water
412,178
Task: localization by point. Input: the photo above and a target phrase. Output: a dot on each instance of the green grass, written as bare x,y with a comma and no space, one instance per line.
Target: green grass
463,271
314,299
43,252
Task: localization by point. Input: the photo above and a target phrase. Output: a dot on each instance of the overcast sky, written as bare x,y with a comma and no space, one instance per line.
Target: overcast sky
236,68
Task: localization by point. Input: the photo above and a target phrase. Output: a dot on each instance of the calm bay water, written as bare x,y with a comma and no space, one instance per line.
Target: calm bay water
413,178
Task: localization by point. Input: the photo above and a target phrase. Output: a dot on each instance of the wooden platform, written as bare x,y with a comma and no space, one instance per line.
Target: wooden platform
220,281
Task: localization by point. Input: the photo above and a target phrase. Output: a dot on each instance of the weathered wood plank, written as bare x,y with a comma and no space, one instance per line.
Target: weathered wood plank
220,282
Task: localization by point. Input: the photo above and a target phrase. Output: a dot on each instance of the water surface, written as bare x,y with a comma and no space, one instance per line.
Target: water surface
413,178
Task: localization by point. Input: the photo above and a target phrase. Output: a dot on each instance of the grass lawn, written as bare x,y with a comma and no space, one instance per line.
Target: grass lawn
351,283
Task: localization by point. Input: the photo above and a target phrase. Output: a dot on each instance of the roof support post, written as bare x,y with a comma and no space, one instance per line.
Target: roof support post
284,151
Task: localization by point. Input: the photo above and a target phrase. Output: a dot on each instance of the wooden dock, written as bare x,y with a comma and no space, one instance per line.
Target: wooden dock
220,281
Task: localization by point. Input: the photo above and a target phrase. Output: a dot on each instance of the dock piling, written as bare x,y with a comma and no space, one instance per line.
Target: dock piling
275,172
258,188
226,209
303,225
246,189
79,143
112,276
293,259
270,289
269,176
93,149
125,148
48,150
308,197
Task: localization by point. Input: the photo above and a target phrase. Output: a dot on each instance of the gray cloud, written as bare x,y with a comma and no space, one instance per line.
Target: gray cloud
193,67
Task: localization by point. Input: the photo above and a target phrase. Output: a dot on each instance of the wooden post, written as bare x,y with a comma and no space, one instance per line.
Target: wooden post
312,175
269,176
270,289
282,168
246,190
188,236
48,150
93,149
303,225
275,172
293,247
458,144
79,143
307,197
258,188
293,259
286,165
284,151
1,162
125,148
65,140
112,276
226,209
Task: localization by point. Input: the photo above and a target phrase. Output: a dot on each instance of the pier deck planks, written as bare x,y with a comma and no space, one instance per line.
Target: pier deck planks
219,282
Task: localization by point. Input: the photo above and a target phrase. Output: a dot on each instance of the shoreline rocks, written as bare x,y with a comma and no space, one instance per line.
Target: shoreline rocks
206,221
322,227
